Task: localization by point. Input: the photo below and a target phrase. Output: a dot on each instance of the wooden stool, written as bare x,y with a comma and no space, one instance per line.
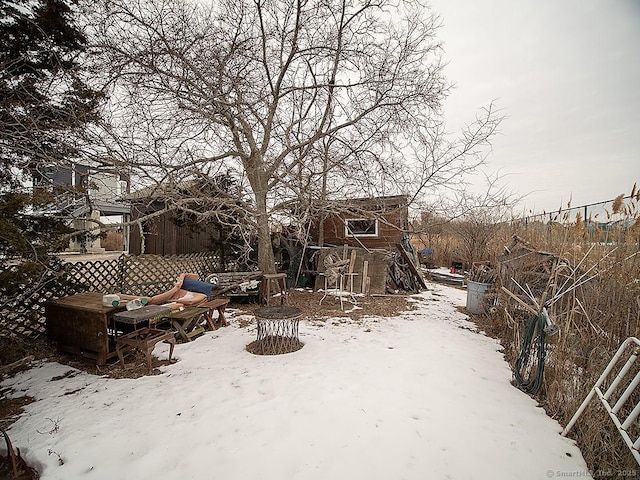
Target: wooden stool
274,284
144,340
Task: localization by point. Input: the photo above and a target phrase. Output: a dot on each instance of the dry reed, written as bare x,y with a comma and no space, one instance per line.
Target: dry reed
599,267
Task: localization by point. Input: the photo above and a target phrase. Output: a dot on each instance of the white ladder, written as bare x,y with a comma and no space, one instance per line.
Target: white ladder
605,398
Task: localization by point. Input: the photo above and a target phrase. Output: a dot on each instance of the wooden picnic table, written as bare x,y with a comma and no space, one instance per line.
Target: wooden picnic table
219,305
188,321
81,325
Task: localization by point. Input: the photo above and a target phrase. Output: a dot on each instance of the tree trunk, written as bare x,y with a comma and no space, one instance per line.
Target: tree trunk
266,259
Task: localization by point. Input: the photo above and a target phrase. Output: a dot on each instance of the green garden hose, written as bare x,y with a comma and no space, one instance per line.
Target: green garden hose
529,367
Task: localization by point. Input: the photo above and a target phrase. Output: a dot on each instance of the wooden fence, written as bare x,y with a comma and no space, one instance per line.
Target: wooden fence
137,275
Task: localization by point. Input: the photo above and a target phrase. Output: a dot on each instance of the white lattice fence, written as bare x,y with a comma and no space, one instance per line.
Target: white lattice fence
138,275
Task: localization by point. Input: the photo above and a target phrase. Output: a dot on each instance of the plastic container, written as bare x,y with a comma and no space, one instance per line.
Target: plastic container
110,300
475,295
137,303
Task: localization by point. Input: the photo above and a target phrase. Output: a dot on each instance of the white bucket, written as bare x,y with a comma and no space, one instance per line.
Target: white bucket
475,295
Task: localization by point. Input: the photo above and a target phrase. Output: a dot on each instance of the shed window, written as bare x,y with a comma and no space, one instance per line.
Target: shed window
361,227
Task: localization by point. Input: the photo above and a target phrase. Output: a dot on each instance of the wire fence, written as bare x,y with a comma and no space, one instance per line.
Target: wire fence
622,210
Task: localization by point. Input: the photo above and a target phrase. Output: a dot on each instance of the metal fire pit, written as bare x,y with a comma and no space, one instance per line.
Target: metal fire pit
277,330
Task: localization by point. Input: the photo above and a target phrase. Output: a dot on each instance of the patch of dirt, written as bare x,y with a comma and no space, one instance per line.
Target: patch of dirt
15,348
11,408
379,305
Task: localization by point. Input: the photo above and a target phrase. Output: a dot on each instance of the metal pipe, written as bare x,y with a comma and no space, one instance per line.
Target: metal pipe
549,328
525,292
632,417
580,279
584,257
623,433
622,373
576,285
627,393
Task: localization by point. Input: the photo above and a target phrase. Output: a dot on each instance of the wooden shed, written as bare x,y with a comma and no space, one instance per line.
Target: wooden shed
371,223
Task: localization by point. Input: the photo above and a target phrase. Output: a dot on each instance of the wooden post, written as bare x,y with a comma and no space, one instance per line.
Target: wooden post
352,263
365,278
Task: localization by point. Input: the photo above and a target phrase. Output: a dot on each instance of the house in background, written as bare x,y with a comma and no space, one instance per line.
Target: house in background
86,195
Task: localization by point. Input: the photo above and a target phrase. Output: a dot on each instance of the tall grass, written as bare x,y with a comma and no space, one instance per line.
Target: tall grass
594,318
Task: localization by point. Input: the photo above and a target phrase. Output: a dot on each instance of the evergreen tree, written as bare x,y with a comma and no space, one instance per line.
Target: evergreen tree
44,104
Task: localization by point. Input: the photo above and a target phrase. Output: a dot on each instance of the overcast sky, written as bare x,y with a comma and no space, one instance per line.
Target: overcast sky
567,75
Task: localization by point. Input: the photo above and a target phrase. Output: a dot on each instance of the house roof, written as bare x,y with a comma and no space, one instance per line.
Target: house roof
170,190
399,200
160,191
370,204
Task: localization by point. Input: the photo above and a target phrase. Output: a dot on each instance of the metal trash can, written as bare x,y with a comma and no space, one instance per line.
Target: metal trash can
475,295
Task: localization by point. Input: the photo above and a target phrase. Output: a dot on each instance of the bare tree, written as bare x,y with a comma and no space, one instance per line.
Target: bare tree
305,99
477,228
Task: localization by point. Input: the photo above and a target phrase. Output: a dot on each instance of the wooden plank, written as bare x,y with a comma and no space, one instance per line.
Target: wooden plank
352,264
529,308
365,277
412,267
12,366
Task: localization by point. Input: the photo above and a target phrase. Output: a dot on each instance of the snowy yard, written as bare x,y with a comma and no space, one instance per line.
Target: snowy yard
418,396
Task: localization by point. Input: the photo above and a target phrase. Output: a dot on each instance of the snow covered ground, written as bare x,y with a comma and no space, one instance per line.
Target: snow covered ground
420,396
